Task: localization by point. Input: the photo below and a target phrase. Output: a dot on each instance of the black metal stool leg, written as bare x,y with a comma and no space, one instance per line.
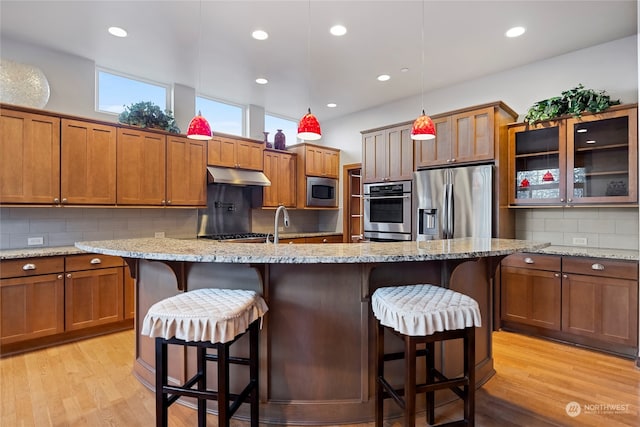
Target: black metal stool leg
379,392
202,384
223,385
161,381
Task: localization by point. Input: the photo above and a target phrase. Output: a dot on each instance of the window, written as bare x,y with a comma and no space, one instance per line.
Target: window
289,128
115,91
223,117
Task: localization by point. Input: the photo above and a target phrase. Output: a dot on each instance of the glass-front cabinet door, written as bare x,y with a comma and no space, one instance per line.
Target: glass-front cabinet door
602,166
537,163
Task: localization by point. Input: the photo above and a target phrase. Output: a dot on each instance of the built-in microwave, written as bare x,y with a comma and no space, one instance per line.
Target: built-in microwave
322,192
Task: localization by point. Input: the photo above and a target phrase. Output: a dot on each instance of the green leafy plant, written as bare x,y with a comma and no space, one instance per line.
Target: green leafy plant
573,101
148,115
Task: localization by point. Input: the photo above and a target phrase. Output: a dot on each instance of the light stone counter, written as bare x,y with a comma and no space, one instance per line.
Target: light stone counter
620,254
39,252
168,249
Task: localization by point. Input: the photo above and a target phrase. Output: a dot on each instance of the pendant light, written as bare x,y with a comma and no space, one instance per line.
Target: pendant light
309,127
199,127
423,128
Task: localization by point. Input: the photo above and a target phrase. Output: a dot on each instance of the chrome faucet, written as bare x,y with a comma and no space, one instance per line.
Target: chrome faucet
285,220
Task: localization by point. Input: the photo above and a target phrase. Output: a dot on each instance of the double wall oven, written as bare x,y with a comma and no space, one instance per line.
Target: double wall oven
388,208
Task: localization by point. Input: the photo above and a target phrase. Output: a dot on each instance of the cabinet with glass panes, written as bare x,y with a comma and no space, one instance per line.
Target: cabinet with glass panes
590,159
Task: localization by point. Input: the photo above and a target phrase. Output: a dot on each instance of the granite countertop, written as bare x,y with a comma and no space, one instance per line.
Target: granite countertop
39,252
620,254
295,235
208,251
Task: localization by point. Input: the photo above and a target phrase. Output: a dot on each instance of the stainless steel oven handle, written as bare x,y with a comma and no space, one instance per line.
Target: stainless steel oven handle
406,196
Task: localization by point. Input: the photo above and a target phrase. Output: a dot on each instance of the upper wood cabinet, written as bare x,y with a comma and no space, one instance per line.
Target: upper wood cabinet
592,159
471,135
321,161
280,168
186,171
235,152
88,163
388,154
29,158
141,167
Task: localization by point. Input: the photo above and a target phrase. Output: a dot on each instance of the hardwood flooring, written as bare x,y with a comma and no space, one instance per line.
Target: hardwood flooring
89,383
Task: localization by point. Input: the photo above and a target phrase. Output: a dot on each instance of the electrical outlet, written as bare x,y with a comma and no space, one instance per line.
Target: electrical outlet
35,241
281,228
159,234
580,241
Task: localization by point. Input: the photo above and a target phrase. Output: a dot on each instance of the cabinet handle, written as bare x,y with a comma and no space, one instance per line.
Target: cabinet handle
556,275
562,200
60,276
68,275
569,200
56,200
528,260
453,160
95,261
168,202
597,266
324,240
64,200
28,267
564,276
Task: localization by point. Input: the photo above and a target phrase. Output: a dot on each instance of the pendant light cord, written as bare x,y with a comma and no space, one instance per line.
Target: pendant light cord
309,56
422,47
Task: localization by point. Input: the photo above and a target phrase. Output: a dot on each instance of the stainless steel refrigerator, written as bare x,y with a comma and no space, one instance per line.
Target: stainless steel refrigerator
454,202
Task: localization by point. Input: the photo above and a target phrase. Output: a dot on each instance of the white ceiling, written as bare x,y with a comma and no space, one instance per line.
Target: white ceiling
208,45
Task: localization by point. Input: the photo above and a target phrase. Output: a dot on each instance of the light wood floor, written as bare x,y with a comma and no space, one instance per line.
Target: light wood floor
89,383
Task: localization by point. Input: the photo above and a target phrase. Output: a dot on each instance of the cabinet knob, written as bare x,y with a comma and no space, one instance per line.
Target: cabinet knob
528,260
95,261
56,200
564,276
453,160
164,202
291,243
556,275
569,200
597,266
68,275
562,200
28,267
60,276
64,200
168,202
324,240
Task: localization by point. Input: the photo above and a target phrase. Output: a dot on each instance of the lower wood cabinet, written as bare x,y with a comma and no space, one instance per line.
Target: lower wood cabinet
587,301
48,300
31,299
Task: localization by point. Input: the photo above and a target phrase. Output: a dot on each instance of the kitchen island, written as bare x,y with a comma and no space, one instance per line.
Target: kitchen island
316,340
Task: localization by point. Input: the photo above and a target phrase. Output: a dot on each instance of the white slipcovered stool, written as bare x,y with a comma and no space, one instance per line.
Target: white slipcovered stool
424,314
207,318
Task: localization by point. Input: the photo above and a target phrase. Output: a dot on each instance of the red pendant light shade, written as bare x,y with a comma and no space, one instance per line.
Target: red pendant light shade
199,128
309,127
423,128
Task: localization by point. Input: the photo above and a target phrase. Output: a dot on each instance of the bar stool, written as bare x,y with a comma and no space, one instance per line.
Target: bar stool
424,314
207,318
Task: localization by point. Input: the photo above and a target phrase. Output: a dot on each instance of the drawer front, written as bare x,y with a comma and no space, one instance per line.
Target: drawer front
92,262
25,267
601,267
534,261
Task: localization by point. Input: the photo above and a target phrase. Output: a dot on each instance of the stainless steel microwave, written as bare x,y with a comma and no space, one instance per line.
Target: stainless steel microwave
322,192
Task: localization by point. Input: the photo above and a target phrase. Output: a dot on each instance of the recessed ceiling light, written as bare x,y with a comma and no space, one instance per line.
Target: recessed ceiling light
332,105
260,35
515,32
384,77
338,30
262,81
404,70
117,31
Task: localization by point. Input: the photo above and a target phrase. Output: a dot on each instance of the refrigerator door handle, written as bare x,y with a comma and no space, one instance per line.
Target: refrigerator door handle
445,209
450,212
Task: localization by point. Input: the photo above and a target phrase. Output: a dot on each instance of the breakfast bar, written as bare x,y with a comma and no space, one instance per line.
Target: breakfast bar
316,340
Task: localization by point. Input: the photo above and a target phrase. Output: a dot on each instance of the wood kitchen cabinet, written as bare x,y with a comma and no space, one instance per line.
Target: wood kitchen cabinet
600,300
129,302
592,159
388,154
31,299
316,160
142,157
235,152
470,135
93,291
186,174
29,157
531,290
591,302
280,168
88,163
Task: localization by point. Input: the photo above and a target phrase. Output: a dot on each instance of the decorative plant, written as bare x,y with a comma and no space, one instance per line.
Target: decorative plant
148,115
573,101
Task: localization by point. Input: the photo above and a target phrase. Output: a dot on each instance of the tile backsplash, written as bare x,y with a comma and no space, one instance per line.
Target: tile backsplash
64,226
615,228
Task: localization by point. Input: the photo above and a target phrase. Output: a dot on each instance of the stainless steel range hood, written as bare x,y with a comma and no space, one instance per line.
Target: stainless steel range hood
237,176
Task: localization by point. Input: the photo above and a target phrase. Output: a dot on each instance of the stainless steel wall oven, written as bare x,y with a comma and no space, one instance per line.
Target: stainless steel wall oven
388,209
